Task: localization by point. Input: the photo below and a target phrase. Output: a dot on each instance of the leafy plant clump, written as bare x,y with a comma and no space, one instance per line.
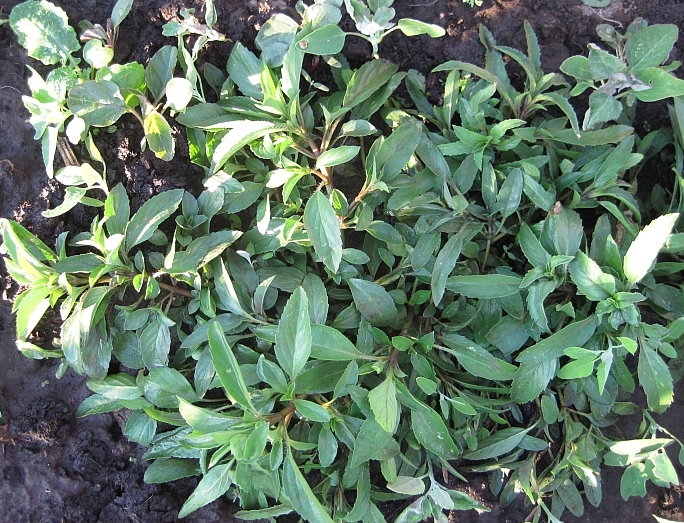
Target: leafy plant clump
372,296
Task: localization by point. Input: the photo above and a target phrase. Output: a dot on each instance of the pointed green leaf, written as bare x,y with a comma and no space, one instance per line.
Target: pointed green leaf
150,215
158,135
337,156
323,229
644,249
591,281
293,340
373,302
227,367
300,495
484,285
501,442
574,335
331,345
431,432
478,361
213,485
160,70
655,379
445,263
383,403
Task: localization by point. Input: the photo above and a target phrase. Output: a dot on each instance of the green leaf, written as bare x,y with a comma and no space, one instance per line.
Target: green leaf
326,40
96,54
602,108
318,298
158,135
312,411
537,194
300,495
650,47
323,229
241,133
484,285
383,403
213,485
164,386
120,11
655,379
415,27
256,442
160,70
205,420
117,386
202,250
368,79
571,497
370,438
34,303
445,263
97,103
531,247
644,249
117,210
591,281
244,68
501,442
398,148
275,37
263,513
478,361
373,302
331,345
633,481
227,367
508,198
577,66
43,30
72,197
531,380
153,212
155,344
424,249
663,85
293,340
140,428
574,335
337,156
662,469
508,335
612,134
358,128
170,469
604,65
407,485
576,369
431,432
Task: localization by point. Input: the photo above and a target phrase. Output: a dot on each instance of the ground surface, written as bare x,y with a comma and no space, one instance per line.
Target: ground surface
58,469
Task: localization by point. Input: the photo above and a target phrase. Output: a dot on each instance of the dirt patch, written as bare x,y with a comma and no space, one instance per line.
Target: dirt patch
56,468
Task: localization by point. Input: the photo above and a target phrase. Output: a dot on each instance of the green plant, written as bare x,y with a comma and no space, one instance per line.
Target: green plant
634,72
402,294
98,94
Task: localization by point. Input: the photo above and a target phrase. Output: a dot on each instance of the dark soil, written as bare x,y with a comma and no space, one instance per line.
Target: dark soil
56,468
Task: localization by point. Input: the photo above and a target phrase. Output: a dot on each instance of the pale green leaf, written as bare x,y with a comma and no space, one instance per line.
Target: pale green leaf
644,249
